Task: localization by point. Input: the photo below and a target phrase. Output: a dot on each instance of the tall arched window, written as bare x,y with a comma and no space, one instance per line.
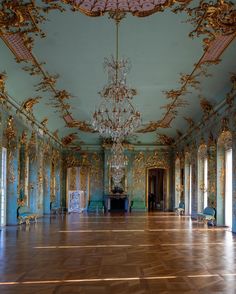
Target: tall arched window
202,177
3,198
187,183
178,185
224,179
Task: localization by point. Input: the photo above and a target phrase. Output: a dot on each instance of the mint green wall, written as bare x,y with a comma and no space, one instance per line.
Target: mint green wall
39,195
136,172
94,160
210,130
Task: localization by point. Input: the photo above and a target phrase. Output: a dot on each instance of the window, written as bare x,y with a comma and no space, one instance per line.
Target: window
202,177
228,188
205,183
190,190
3,187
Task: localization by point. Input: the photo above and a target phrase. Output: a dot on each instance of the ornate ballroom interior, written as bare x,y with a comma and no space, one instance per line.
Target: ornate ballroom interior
118,146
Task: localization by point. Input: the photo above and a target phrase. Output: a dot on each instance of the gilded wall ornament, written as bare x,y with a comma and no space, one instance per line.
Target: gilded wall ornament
32,142
152,126
157,159
69,139
55,156
96,171
29,103
138,171
212,18
10,166
47,83
165,140
47,150
211,142
71,161
44,122
225,138
18,16
81,125
202,150
63,94
206,106
10,131
2,82
23,139
230,98
84,176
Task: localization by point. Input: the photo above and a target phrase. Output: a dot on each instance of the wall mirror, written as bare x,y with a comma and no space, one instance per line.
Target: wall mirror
121,188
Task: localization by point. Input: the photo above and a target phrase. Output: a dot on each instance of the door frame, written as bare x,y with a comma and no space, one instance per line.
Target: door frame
166,189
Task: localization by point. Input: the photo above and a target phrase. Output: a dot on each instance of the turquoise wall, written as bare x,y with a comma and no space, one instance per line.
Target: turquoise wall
139,160
209,130
17,138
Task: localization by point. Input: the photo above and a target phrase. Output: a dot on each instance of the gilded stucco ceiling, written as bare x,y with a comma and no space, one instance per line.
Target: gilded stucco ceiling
169,69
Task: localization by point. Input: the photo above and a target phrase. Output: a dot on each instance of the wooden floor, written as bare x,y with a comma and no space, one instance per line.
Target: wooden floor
118,253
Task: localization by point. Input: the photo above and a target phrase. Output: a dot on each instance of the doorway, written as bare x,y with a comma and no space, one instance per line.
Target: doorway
156,189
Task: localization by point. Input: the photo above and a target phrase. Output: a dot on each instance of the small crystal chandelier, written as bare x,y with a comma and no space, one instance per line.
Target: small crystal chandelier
116,117
117,175
117,162
117,159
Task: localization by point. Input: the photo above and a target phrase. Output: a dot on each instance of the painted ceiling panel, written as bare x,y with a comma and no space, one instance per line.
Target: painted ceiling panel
159,49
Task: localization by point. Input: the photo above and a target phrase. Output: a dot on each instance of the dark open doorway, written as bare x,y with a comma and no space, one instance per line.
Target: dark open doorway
156,178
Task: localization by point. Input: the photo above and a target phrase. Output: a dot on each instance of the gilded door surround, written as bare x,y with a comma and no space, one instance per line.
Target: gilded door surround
165,187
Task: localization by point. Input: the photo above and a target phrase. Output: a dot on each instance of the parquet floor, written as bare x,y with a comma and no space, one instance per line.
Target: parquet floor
117,254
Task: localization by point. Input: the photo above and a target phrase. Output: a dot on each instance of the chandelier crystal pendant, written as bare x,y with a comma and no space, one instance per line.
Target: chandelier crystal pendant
116,117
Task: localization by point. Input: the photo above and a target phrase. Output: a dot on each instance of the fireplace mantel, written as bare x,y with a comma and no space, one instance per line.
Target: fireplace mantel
117,202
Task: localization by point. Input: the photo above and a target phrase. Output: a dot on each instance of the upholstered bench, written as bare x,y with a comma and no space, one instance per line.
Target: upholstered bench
26,217
208,215
180,209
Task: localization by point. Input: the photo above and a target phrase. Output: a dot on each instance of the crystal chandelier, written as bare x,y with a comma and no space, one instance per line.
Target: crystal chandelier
117,162
117,159
116,117
117,175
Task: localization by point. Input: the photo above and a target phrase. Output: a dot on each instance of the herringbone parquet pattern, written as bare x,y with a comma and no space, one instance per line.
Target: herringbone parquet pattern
117,254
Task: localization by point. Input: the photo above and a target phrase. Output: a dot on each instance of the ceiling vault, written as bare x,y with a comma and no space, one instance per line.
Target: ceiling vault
21,21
